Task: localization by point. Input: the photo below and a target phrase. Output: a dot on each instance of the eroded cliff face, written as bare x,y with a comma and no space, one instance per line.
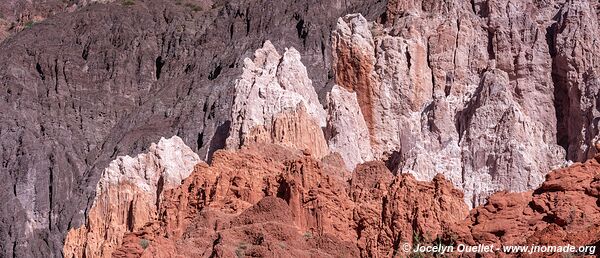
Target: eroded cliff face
384,106
575,51
128,196
491,94
477,90
266,200
19,15
84,86
286,186
271,201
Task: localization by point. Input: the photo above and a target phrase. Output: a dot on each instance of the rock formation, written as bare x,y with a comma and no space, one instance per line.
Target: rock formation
574,46
441,90
275,102
492,94
564,210
346,131
85,85
128,196
269,201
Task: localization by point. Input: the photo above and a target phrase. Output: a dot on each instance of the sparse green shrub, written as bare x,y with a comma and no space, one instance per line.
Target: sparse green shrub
416,237
29,24
308,235
417,240
144,243
128,2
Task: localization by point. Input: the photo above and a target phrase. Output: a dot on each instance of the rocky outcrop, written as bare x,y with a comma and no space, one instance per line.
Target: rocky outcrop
391,210
275,102
346,132
89,84
452,87
564,210
128,196
270,202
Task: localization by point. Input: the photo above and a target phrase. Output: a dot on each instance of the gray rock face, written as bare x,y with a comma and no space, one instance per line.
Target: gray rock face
81,87
491,93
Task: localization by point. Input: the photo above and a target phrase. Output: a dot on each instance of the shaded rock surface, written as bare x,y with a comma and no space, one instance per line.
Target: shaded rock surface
492,94
104,80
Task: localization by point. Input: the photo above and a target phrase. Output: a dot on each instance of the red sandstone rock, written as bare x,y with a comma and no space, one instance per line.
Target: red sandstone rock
267,201
270,201
564,210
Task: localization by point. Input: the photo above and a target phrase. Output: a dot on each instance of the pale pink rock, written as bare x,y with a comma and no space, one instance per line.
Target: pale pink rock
128,195
423,86
347,131
274,94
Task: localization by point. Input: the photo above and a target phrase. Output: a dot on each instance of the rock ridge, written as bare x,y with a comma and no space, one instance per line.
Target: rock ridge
128,196
270,201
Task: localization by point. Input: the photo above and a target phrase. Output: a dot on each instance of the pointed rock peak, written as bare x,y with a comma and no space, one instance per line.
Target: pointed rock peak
128,195
347,132
354,24
266,59
270,90
292,76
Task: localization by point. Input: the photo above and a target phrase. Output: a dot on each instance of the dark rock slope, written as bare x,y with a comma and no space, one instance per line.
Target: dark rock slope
490,93
80,88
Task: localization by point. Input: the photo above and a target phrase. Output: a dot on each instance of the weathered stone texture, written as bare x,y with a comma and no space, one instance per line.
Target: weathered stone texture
128,196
